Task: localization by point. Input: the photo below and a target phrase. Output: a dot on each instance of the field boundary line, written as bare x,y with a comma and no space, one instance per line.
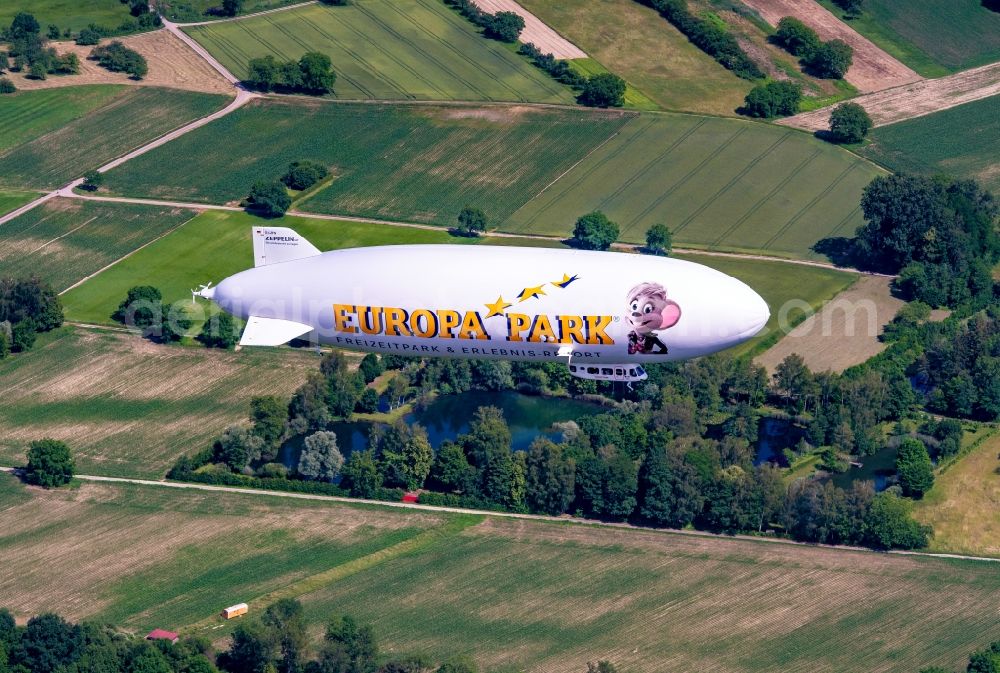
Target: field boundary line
244,16
505,515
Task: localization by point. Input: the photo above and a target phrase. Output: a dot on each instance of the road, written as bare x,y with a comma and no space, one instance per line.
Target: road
500,515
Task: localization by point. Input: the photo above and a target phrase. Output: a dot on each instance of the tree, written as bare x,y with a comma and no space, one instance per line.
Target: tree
451,471
620,486
262,73
269,198
4,343
316,74
852,8
368,402
116,57
287,630
796,37
831,60
343,387
889,525
268,415
320,457
371,367
986,660
47,644
504,26
50,463
22,25
6,86
173,327
23,335
471,221
356,644
92,180
774,99
659,240
594,231
304,174
913,465
251,649
232,7
88,37
360,474
237,447
792,378
849,123
219,331
308,409
603,90
458,665
601,667
550,478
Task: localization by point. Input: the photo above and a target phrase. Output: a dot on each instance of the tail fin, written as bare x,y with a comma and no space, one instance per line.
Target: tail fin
273,245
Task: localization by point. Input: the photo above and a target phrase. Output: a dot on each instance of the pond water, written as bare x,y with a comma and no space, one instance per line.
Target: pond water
879,467
448,416
774,435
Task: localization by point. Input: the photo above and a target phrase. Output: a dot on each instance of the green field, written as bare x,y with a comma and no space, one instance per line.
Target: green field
405,49
515,595
410,162
65,240
50,137
13,199
647,51
131,407
194,10
70,14
963,142
717,183
932,37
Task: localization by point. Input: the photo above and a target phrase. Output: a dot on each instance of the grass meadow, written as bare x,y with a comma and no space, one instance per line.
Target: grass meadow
50,137
407,162
406,49
129,407
194,10
70,14
13,199
932,37
717,183
65,240
963,142
515,595
646,50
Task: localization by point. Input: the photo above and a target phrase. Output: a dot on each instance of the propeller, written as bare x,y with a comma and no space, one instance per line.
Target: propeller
205,291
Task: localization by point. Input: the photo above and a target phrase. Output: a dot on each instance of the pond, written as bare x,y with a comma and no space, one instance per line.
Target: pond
774,435
448,416
879,467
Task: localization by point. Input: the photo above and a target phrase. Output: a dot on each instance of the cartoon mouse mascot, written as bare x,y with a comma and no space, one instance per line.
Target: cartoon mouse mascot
649,311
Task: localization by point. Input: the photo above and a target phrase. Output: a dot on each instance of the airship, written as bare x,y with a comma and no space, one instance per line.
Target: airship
603,314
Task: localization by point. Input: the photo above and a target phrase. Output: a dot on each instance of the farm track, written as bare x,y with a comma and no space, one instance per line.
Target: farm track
913,100
535,30
501,515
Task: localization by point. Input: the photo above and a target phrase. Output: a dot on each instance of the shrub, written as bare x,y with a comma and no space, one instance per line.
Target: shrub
603,90
219,331
796,37
774,99
116,57
831,60
304,174
269,199
50,463
139,307
92,180
849,123
504,26
88,36
6,86
559,70
851,8
594,231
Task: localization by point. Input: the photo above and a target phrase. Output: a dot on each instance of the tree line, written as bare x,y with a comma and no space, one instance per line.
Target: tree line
312,74
826,60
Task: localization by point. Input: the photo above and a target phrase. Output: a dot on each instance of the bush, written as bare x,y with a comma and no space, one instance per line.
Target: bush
849,123
304,174
116,57
219,331
594,231
603,90
559,70
659,240
6,86
774,99
504,26
88,37
139,307
269,199
851,8
50,463
796,37
831,60
92,180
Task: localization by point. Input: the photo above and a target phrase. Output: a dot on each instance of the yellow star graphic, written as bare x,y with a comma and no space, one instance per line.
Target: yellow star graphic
497,307
530,293
566,280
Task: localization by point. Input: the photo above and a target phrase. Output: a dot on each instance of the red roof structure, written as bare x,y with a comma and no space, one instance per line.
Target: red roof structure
160,634
411,497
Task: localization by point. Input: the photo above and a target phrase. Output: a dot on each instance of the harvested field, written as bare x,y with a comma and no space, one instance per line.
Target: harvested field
721,184
913,100
65,240
417,163
131,407
535,32
845,331
964,505
406,49
963,142
171,64
659,60
62,145
143,557
873,69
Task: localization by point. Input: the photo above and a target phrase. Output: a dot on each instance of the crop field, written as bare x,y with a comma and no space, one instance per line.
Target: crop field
932,37
67,13
526,596
25,116
194,10
717,183
406,49
143,557
65,144
962,507
65,240
13,199
410,162
659,61
963,142
128,406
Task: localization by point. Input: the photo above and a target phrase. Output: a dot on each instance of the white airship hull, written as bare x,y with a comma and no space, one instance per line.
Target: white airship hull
591,309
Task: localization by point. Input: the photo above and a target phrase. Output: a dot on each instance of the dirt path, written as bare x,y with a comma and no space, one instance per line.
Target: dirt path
171,64
201,51
913,100
873,68
492,514
535,31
